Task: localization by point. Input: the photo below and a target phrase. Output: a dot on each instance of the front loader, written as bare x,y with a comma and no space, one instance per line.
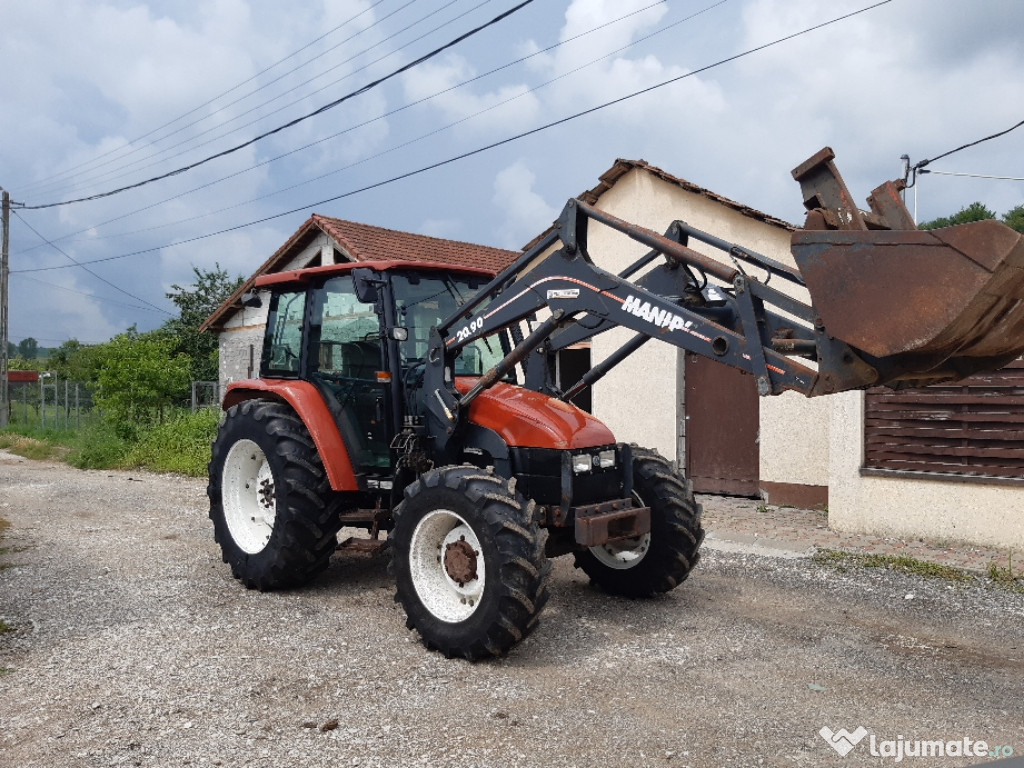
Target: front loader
417,398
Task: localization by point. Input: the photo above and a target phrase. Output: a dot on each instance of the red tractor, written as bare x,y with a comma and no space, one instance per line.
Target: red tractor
388,398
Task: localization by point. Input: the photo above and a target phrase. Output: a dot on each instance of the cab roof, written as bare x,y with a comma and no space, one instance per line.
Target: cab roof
309,274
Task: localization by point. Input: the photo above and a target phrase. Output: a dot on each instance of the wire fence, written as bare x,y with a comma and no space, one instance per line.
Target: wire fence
52,403
205,394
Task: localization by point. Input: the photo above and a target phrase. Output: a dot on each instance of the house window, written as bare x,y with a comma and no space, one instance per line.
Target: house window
973,428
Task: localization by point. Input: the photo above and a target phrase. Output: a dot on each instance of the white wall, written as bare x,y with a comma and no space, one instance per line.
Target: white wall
638,400
243,328
976,513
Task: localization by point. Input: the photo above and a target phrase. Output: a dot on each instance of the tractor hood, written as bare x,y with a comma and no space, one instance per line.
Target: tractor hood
528,419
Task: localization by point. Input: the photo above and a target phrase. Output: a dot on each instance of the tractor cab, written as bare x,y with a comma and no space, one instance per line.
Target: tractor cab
359,333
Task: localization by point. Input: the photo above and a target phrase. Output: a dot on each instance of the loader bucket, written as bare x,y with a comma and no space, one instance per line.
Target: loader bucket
920,301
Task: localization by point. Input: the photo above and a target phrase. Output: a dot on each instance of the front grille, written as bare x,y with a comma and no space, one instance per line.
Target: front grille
540,472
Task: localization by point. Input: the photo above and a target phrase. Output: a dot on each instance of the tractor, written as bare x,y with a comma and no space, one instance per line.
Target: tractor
417,399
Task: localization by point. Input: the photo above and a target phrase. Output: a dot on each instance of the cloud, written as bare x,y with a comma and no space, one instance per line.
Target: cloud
524,212
507,108
90,76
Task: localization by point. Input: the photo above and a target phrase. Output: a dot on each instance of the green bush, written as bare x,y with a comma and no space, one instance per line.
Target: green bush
95,446
138,379
181,444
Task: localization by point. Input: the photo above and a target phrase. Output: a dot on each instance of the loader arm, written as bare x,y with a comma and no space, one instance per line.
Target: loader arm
583,299
848,259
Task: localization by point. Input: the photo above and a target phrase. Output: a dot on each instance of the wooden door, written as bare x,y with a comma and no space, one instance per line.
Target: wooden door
721,431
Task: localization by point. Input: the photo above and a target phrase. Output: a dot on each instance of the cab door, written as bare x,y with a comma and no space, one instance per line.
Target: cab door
345,356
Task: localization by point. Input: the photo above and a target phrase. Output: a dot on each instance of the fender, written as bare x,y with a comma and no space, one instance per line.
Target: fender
306,401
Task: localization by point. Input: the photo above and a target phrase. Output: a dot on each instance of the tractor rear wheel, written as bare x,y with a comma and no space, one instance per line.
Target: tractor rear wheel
468,561
662,559
270,500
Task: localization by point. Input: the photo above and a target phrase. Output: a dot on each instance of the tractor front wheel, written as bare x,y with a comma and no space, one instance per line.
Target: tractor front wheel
662,559
468,561
270,500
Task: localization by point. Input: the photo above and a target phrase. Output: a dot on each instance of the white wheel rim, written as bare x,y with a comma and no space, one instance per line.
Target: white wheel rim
440,533
248,496
623,554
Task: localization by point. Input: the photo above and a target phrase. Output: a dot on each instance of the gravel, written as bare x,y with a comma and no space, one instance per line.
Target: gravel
131,644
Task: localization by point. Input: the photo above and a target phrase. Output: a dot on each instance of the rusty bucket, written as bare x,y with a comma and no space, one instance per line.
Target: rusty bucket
953,295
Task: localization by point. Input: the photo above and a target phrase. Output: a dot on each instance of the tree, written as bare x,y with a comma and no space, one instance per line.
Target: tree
75,361
28,348
1014,218
196,303
139,376
974,212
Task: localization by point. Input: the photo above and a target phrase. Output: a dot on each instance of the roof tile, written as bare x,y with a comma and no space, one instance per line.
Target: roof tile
365,242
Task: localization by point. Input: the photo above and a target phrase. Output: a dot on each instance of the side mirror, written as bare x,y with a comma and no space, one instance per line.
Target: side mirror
365,282
251,299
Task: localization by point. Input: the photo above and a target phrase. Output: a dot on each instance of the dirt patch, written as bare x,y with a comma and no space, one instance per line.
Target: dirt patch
132,644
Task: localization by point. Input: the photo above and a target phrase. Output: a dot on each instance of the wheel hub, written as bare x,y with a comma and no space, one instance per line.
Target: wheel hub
460,561
265,494
447,565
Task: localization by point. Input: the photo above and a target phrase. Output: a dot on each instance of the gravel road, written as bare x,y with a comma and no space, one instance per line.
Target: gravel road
132,645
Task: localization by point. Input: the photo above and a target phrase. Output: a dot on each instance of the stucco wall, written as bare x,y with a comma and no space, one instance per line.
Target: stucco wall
931,509
242,329
639,400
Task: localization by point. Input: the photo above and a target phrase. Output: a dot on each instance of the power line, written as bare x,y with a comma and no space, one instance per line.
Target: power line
383,116
44,182
44,338
486,147
923,163
79,264
123,170
970,175
92,296
331,105
114,174
436,131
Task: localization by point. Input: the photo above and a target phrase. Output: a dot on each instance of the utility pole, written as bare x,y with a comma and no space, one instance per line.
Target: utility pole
5,400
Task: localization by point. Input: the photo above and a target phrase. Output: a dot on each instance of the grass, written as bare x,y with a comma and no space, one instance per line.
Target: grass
1003,576
842,561
1000,576
28,447
181,444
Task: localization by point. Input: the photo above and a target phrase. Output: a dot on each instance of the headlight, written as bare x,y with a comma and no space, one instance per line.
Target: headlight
606,459
581,463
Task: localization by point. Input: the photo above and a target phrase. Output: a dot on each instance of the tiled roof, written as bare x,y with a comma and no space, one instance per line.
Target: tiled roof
621,167
365,242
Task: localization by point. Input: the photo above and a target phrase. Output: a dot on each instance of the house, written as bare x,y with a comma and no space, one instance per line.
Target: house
875,460
944,463
705,416
323,240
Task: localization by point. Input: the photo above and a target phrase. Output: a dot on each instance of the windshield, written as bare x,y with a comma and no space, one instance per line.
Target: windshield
423,301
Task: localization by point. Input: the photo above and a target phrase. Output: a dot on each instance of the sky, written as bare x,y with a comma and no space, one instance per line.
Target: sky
102,95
